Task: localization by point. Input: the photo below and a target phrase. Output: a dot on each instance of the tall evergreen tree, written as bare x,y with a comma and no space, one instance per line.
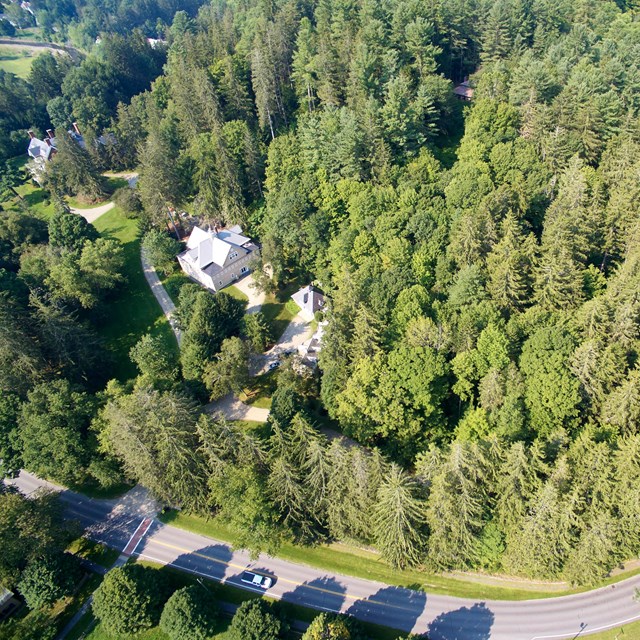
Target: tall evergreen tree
398,519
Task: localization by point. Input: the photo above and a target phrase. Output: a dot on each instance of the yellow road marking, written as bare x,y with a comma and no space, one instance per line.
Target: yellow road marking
291,582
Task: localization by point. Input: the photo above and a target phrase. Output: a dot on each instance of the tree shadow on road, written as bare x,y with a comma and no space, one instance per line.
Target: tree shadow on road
209,562
325,593
467,623
392,606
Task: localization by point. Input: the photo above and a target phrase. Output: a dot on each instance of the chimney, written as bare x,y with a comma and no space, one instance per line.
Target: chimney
31,134
48,141
75,126
50,133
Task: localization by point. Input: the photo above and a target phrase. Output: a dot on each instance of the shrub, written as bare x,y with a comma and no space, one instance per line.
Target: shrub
128,200
161,249
130,599
48,579
254,620
189,614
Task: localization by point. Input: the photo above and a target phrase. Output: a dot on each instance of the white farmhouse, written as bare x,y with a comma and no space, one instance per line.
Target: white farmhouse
218,258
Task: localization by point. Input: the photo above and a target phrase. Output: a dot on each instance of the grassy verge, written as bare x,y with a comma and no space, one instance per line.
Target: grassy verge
625,632
362,563
94,551
66,608
234,292
134,311
249,425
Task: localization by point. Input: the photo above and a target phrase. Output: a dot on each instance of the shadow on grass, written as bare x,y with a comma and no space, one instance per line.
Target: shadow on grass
261,389
278,310
34,198
102,493
94,552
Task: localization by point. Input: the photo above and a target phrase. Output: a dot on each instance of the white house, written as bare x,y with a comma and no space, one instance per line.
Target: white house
40,152
309,300
217,258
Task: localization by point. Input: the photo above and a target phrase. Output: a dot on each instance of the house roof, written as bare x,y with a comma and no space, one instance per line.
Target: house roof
309,300
39,149
220,250
205,253
229,235
78,137
196,237
464,89
209,251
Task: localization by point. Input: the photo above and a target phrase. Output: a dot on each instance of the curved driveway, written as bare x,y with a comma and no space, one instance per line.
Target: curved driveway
443,617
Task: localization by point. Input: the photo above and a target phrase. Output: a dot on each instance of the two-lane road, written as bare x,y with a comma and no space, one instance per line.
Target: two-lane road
443,617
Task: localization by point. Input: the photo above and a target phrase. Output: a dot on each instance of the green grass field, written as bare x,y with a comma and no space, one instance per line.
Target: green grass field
279,310
36,199
234,292
134,311
16,60
31,33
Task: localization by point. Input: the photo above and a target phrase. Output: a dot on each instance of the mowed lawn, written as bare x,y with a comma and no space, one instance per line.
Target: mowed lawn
16,60
134,311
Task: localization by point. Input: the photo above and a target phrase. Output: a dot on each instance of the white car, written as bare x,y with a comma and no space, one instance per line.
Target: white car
256,579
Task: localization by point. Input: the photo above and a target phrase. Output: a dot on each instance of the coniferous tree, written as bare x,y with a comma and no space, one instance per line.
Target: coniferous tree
72,170
398,518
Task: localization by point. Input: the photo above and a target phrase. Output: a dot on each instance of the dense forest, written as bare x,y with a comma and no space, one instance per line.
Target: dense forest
482,262
81,22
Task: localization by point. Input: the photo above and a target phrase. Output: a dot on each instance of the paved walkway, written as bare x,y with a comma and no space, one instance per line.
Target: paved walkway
256,297
297,331
92,214
161,295
232,409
